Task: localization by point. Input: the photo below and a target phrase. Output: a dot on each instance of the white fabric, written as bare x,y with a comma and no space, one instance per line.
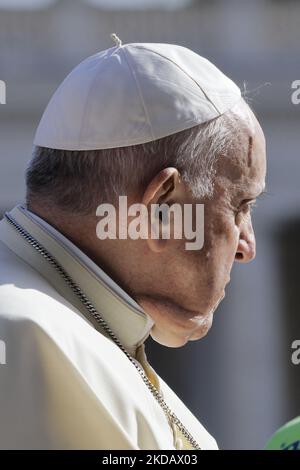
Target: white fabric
65,385
86,261
128,322
134,93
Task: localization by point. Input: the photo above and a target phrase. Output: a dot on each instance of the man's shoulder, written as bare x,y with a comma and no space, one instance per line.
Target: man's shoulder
14,271
22,288
27,297
32,312
20,285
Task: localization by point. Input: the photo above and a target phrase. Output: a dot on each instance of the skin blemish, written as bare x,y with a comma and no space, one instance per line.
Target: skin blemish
250,148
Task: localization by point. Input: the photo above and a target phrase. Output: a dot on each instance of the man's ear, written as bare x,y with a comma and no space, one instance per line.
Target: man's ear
165,188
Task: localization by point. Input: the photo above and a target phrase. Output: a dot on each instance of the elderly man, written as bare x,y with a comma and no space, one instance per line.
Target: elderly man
161,125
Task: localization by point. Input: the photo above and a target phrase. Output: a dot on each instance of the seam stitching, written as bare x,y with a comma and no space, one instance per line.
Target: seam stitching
174,63
133,73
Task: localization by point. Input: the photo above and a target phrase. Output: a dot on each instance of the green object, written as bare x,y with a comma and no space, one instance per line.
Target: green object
287,437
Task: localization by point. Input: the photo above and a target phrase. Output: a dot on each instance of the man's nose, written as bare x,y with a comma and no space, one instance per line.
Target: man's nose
246,249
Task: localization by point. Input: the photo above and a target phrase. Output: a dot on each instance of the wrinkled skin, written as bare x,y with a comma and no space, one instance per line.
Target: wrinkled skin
190,285
181,289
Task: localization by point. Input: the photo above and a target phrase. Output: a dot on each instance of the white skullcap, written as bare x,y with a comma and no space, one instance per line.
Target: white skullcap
134,93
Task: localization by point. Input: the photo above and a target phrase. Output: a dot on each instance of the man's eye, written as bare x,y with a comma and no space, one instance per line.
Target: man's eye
251,205
248,207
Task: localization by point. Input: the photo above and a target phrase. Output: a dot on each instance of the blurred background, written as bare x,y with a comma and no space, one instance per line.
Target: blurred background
239,380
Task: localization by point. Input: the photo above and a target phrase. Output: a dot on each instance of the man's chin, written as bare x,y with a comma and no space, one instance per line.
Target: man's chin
200,334
177,339
203,328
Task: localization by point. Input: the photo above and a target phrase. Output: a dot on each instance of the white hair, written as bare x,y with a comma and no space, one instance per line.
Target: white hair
78,181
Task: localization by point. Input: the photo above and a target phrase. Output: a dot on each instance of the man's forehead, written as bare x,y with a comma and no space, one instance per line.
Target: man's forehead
236,166
240,180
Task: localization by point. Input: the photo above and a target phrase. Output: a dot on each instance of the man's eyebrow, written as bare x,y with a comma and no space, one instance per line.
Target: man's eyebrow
251,197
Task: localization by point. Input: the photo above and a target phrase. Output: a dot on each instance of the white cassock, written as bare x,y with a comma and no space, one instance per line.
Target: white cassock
65,384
